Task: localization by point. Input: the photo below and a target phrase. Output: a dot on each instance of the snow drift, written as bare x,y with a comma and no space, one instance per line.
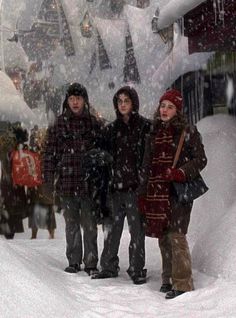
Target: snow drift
213,225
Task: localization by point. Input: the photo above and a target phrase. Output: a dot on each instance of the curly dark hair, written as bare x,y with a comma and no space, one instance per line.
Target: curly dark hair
20,133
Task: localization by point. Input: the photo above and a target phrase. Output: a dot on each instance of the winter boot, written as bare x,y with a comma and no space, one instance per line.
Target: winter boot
73,268
104,274
174,293
138,278
91,271
9,236
165,288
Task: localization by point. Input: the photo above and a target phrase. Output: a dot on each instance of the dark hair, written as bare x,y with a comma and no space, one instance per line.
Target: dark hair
20,134
131,93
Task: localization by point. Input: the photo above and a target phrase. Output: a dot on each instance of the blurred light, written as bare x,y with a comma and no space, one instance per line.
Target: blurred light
86,26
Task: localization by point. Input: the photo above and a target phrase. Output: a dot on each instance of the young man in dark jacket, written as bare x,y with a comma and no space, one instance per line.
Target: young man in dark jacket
74,133
124,140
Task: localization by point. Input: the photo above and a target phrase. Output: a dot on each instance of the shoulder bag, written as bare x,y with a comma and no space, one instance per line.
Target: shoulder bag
189,190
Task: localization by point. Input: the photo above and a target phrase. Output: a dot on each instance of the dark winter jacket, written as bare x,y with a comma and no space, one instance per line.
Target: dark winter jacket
126,143
97,166
192,160
67,142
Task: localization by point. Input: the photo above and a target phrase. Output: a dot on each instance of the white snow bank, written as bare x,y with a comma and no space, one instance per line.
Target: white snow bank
213,227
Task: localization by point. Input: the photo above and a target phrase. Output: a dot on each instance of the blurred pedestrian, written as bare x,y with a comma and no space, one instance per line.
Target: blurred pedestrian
40,200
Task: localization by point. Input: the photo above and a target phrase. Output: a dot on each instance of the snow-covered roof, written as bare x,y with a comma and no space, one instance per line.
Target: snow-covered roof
177,63
12,106
174,10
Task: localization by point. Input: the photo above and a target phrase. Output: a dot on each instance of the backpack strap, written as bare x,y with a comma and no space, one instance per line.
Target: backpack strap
179,148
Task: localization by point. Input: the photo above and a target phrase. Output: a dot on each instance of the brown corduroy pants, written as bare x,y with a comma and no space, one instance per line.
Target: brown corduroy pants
176,261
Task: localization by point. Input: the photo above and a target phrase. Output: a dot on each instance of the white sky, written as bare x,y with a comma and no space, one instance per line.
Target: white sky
33,283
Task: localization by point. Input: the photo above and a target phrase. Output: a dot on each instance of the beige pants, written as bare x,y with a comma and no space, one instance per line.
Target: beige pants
176,261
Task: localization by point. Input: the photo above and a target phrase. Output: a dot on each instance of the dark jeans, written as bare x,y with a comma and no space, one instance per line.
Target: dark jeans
78,213
124,204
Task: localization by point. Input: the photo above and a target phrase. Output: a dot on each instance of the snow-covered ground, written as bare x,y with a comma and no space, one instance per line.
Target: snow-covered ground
34,285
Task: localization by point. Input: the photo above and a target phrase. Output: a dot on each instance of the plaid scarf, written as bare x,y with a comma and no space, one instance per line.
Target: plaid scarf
157,207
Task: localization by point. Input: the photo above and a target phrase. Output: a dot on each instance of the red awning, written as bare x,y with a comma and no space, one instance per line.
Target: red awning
211,26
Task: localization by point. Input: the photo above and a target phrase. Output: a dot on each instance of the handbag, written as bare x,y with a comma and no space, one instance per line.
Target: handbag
190,190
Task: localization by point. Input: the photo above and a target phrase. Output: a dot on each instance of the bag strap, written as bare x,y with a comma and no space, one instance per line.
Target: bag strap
179,148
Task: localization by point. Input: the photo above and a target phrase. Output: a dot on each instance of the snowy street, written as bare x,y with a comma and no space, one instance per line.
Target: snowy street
90,89
38,287
33,283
